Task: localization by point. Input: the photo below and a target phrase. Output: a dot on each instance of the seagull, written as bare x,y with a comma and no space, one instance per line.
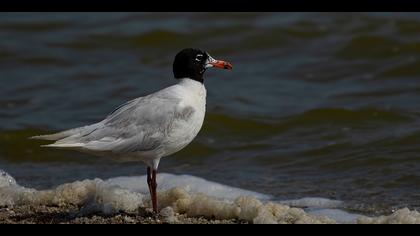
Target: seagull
150,127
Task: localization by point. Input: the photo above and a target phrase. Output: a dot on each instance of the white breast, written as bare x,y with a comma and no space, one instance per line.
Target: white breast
185,129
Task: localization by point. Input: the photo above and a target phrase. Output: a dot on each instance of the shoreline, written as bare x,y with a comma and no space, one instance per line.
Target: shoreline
73,214
70,214
184,200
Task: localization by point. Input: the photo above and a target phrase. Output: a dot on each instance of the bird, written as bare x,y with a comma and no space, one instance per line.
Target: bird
150,127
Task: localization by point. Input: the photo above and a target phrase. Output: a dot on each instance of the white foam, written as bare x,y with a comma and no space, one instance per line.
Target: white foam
92,194
190,183
188,195
324,207
401,216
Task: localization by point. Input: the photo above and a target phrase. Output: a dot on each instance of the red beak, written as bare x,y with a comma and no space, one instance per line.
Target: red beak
221,64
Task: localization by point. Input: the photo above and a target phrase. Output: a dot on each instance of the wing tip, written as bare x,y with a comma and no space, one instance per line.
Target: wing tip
64,145
51,137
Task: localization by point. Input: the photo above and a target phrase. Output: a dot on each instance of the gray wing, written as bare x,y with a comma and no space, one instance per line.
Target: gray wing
141,124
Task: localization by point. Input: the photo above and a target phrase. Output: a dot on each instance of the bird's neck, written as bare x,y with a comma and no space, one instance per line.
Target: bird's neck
193,87
190,83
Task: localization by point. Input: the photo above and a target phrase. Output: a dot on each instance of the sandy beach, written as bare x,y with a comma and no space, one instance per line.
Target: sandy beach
70,215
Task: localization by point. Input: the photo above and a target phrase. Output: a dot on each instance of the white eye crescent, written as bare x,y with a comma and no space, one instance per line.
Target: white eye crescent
198,57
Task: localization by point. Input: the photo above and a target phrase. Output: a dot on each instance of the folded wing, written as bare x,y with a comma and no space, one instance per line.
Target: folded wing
141,124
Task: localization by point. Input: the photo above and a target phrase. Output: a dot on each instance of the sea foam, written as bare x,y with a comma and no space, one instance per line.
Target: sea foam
188,195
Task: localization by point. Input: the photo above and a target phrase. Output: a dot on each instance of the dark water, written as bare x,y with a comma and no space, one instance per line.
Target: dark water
318,104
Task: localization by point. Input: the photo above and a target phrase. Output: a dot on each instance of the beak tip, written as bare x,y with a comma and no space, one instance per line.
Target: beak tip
222,65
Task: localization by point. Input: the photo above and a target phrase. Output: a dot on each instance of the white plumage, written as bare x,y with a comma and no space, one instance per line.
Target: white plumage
146,128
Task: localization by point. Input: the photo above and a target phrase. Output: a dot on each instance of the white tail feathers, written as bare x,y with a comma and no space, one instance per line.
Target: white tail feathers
63,134
64,145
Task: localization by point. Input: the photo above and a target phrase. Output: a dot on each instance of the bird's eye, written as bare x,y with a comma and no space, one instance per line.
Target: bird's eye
199,57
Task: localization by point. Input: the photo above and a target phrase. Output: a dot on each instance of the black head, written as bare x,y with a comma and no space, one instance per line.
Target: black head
192,63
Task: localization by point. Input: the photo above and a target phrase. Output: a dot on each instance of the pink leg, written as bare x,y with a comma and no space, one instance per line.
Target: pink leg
154,194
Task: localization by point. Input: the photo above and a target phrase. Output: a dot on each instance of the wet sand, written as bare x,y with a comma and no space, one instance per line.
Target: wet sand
71,215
